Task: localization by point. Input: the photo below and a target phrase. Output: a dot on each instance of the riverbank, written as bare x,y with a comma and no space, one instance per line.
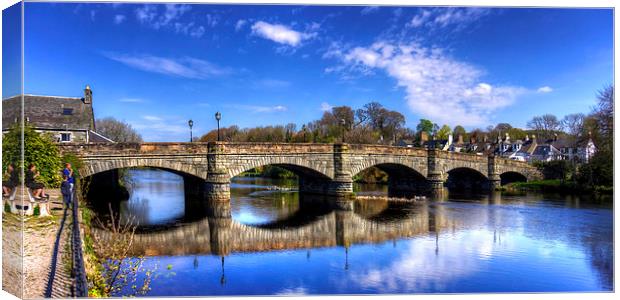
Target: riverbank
557,186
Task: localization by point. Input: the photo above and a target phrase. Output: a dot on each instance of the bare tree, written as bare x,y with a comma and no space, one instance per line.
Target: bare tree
118,131
545,125
573,123
119,269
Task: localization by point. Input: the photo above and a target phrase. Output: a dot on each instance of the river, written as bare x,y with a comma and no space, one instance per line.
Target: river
281,243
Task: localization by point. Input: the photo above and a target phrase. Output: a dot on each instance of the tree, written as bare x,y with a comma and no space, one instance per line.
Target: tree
573,123
545,126
39,149
444,132
112,243
343,112
459,130
604,113
118,131
425,126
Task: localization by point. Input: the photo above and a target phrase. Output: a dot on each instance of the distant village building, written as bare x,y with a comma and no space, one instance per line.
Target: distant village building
527,149
67,119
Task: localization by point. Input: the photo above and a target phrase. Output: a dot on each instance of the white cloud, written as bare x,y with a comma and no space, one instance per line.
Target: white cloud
187,67
156,128
297,291
419,19
212,20
457,17
170,18
240,23
369,9
152,118
326,106
437,86
131,100
118,19
545,89
261,109
280,34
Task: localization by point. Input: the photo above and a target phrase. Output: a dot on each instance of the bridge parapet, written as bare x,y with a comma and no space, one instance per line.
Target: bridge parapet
271,148
133,148
386,150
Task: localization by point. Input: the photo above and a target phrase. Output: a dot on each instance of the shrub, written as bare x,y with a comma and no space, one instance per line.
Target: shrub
39,149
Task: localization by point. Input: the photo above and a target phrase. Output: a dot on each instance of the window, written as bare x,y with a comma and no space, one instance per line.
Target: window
65,137
67,111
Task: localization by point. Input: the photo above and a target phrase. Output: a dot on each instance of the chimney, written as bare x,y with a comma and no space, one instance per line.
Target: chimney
423,136
507,140
485,138
555,137
460,139
527,137
450,139
533,139
472,140
88,95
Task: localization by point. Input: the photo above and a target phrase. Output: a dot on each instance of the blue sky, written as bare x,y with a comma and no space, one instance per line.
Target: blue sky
156,66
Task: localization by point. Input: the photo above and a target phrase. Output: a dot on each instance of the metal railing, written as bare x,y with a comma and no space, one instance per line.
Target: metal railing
79,272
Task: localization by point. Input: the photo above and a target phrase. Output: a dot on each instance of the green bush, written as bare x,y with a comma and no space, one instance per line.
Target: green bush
39,149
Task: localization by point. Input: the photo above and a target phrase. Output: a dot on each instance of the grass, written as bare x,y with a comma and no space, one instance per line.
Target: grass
557,185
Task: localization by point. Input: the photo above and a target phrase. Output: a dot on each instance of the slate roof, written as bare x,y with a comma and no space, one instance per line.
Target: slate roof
48,112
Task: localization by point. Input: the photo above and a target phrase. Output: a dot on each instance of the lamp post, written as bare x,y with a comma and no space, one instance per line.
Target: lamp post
343,122
303,128
218,117
191,124
223,277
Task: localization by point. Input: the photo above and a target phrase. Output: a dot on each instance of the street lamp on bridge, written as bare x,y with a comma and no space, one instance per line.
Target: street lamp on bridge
191,124
218,117
343,123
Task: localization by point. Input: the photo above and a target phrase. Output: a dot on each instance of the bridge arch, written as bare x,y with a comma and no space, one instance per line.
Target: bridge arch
466,178
512,176
178,167
403,180
301,167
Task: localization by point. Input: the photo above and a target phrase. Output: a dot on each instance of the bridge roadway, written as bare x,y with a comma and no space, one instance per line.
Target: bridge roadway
322,168
223,235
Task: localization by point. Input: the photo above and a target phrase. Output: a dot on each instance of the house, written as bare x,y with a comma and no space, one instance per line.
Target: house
67,119
574,148
459,145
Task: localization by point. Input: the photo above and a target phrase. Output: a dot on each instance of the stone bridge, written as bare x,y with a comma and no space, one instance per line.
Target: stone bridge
322,168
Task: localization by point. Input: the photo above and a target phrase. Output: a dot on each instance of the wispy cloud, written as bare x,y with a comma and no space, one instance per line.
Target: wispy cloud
260,109
131,100
169,16
240,24
118,19
545,89
271,83
187,67
326,106
439,18
280,33
437,86
152,118
162,128
369,9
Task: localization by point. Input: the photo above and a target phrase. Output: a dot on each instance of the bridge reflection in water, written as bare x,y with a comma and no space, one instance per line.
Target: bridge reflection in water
317,223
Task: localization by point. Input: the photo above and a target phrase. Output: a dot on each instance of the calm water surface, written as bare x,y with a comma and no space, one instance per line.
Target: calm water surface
279,242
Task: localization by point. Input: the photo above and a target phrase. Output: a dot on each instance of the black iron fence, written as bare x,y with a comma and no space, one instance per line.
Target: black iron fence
79,272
